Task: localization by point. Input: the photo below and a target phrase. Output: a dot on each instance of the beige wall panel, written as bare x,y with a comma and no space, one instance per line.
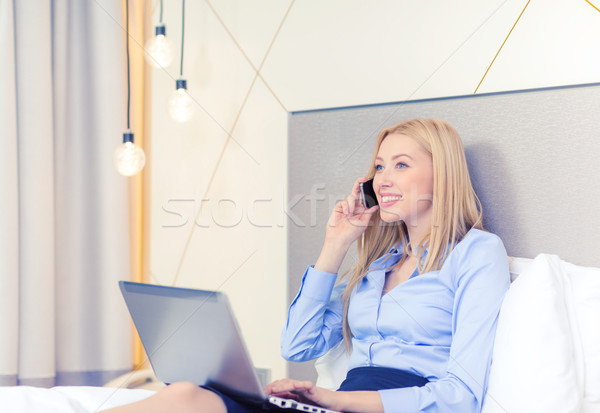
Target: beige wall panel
252,23
555,43
342,53
186,154
240,247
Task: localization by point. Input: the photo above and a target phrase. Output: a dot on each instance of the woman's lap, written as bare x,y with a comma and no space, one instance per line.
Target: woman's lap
235,406
361,378
380,378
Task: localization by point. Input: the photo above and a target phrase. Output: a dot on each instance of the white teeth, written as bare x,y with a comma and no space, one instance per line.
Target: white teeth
389,198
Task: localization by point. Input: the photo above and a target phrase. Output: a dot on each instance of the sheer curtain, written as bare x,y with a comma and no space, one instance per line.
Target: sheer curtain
64,235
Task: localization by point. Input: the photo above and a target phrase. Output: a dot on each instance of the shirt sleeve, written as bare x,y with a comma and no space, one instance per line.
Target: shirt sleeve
481,278
314,322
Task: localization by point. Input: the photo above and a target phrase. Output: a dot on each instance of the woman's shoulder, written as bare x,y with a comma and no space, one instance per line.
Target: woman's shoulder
477,250
480,241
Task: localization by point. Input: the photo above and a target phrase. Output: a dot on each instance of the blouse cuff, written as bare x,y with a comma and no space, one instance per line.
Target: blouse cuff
317,284
403,400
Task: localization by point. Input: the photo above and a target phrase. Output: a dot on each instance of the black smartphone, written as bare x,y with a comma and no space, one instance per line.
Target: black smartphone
367,194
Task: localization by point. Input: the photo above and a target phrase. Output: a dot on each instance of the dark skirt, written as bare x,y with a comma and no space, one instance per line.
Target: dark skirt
360,378
380,378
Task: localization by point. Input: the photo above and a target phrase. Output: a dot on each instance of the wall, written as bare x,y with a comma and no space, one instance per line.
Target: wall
324,54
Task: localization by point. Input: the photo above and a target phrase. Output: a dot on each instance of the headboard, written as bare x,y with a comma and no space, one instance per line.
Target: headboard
533,157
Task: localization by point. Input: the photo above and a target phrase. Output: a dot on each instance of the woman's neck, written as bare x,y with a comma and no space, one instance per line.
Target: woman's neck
417,236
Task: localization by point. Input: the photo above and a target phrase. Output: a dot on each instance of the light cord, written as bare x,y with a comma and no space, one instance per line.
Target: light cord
161,11
182,34
128,80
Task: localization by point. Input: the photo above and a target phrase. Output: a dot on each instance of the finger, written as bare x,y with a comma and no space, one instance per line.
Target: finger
286,395
338,208
367,214
355,206
362,219
302,384
345,209
277,386
351,201
356,186
354,196
358,206
281,386
371,210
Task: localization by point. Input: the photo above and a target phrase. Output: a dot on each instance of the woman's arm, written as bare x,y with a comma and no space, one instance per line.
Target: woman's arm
342,401
331,257
314,322
359,402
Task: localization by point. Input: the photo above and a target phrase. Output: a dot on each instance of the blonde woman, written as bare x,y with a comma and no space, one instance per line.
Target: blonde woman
418,311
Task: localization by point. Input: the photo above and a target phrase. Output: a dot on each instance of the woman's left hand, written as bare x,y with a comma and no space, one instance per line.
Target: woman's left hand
304,391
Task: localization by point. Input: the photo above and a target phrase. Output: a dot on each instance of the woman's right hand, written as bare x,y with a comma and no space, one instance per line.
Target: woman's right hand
349,219
347,222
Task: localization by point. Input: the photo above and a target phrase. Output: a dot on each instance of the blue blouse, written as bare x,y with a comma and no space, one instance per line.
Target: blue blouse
439,325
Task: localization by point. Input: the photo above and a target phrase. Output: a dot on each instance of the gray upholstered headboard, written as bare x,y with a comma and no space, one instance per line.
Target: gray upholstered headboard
533,157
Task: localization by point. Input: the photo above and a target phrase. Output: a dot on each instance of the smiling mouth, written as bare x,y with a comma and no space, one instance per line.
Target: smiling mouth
390,198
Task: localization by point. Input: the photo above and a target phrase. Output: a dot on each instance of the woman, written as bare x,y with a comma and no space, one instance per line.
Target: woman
418,312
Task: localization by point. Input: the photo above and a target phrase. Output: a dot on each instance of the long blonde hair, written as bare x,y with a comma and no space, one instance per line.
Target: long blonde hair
456,207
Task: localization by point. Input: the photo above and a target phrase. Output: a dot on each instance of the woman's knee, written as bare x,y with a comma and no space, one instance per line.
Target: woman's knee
189,394
182,389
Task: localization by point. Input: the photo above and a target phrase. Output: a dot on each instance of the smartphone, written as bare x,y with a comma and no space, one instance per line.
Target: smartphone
367,194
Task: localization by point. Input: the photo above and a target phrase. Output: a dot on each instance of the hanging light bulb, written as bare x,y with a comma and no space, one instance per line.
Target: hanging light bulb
129,158
180,105
159,49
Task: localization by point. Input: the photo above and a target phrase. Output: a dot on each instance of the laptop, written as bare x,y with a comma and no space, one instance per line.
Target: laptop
192,335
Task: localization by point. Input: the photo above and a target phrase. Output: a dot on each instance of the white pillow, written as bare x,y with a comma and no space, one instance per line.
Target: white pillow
517,265
535,357
586,302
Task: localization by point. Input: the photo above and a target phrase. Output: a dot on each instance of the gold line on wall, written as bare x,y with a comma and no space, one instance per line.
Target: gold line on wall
592,5
493,60
233,39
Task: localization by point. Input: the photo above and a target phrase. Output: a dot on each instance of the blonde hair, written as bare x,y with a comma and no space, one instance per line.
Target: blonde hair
456,207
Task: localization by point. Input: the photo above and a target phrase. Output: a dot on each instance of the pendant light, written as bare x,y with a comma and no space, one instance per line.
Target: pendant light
129,158
159,49
180,105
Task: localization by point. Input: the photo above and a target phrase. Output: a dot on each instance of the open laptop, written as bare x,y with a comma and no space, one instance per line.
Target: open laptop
192,335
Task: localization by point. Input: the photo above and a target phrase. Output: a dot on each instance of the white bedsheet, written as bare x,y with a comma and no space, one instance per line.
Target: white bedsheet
66,399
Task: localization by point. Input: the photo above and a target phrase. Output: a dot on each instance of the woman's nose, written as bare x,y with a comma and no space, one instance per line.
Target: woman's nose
383,180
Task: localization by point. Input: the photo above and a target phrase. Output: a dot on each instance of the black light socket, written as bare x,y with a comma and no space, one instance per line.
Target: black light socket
128,137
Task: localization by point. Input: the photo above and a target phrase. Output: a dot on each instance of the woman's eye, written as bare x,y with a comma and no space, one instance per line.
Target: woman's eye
401,165
378,167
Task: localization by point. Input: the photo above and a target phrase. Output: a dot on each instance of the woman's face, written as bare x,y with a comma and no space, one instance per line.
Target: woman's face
403,181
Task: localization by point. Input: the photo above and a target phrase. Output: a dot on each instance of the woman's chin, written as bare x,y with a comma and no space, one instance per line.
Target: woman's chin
389,217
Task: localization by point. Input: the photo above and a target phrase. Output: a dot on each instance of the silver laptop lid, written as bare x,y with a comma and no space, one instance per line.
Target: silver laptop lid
192,335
